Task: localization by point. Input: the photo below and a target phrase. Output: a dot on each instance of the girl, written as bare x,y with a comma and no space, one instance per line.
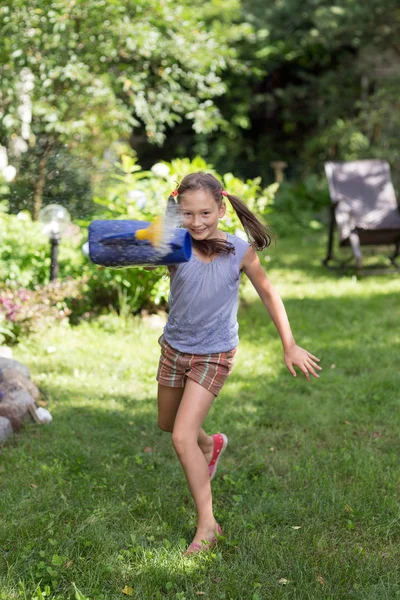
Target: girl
201,335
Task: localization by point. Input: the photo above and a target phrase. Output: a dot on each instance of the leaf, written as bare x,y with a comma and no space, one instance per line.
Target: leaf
283,581
128,591
148,450
33,485
297,526
78,594
57,560
321,580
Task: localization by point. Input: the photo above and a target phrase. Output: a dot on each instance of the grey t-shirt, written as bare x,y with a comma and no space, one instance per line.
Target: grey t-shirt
204,301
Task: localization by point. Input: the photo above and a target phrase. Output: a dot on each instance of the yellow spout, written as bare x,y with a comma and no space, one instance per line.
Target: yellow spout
153,233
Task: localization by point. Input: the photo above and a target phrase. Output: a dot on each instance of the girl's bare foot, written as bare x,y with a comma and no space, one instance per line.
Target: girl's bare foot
204,539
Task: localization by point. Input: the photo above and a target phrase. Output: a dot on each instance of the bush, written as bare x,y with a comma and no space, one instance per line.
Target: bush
23,311
297,205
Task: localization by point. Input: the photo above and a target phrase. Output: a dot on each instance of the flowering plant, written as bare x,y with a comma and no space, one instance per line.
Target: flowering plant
23,311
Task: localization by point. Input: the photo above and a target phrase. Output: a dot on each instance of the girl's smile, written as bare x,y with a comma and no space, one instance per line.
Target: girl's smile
200,213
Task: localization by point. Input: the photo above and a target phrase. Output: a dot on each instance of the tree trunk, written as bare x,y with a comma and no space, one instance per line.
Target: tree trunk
39,188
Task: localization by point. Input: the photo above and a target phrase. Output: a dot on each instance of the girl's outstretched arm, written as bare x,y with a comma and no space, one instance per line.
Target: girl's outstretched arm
293,354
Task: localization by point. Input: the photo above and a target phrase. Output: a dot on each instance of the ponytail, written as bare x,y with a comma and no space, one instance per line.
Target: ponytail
258,234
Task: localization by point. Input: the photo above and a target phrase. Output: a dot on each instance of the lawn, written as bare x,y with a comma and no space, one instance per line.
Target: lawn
95,506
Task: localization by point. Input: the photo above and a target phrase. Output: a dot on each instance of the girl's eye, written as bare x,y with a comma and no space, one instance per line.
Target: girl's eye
206,213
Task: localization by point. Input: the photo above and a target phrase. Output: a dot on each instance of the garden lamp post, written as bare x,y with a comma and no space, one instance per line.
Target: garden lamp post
55,220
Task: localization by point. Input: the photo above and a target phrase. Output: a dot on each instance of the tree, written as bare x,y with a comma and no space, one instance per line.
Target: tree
84,75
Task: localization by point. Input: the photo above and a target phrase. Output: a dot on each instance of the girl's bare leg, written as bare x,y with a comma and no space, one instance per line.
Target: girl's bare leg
193,408
169,399
206,445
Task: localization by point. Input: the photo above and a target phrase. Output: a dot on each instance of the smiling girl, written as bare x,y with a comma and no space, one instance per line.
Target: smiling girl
200,338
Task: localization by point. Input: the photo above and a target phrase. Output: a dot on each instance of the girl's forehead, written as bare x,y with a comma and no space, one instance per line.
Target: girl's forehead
197,200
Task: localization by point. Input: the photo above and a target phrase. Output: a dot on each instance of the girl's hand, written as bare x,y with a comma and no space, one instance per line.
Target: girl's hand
296,356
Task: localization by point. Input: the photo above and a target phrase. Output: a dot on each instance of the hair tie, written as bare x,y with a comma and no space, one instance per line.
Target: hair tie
175,192
224,193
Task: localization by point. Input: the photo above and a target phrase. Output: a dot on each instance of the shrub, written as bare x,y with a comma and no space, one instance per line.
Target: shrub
298,204
23,311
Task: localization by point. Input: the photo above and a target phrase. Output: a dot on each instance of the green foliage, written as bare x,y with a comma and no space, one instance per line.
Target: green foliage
67,83
297,205
6,329
24,250
68,182
25,311
148,68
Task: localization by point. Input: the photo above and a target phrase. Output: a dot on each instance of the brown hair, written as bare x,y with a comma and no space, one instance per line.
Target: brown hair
258,234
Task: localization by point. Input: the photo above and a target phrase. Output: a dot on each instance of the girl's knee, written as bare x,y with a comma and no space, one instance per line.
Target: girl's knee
179,440
182,441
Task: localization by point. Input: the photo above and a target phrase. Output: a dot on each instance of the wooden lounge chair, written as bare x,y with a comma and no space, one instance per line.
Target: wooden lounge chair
364,207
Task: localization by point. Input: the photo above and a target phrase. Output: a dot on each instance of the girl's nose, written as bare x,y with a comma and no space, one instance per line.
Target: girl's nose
196,220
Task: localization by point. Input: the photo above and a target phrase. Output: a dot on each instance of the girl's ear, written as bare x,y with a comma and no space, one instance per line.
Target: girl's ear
222,210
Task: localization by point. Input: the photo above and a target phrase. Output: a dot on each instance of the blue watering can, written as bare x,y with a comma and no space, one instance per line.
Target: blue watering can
138,243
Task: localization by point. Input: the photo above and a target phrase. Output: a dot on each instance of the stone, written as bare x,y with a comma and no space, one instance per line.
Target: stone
18,402
9,363
6,429
12,379
43,415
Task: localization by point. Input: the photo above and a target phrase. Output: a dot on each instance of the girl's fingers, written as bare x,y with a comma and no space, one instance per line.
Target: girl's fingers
314,364
290,368
305,371
312,356
310,368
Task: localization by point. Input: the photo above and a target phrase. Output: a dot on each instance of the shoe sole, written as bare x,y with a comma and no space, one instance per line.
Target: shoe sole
224,437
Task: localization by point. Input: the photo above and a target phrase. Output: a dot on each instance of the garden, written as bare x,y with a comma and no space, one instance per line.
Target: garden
104,108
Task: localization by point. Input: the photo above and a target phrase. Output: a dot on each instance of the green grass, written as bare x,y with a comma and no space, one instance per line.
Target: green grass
308,491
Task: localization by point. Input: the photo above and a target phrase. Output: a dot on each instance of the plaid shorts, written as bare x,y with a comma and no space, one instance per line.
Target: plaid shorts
209,370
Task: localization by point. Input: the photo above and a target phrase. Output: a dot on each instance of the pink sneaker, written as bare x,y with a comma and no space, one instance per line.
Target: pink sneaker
220,443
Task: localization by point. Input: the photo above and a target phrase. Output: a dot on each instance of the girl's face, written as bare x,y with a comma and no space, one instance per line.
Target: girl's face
200,213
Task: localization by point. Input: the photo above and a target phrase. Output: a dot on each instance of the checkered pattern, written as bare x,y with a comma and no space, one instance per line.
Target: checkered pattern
208,370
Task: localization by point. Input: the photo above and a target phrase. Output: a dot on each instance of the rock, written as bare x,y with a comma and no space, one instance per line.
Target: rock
12,379
17,398
5,352
43,415
18,402
13,414
9,363
6,429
